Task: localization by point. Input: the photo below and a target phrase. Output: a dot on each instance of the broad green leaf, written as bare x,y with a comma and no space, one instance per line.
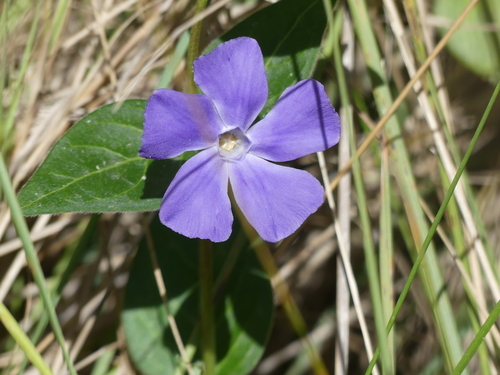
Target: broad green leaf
289,34
244,306
95,167
475,44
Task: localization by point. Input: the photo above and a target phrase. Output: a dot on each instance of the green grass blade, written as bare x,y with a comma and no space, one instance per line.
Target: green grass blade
368,245
23,341
386,253
18,85
103,364
58,23
437,220
482,351
343,297
175,60
75,259
478,340
3,54
421,55
33,262
430,273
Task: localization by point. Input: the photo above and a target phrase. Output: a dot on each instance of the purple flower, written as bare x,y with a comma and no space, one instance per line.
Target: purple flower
275,199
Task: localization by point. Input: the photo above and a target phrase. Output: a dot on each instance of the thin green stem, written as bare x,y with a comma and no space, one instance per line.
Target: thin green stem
18,85
76,256
23,341
33,262
3,55
175,60
59,19
435,223
282,292
482,351
478,340
194,45
162,289
207,307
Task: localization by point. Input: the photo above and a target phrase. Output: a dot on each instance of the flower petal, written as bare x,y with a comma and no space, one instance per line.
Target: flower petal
196,204
302,122
233,76
176,122
275,199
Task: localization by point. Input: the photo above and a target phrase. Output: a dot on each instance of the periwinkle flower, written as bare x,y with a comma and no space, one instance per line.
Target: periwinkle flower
275,199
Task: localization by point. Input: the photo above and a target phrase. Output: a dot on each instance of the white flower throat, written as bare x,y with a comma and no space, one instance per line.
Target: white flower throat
233,145
227,141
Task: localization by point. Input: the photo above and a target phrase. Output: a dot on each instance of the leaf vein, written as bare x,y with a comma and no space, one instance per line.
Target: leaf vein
81,178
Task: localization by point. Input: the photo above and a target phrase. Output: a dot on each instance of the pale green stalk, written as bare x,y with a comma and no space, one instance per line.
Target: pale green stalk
32,259
60,15
3,55
454,220
23,341
175,60
430,272
18,85
76,256
369,248
386,253
194,45
343,298
435,223
103,364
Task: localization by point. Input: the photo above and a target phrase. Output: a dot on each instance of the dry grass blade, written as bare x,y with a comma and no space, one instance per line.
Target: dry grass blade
169,42
351,281
163,293
441,147
404,93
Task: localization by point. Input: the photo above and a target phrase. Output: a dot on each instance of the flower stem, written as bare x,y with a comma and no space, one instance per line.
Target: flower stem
207,307
194,46
281,290
162,289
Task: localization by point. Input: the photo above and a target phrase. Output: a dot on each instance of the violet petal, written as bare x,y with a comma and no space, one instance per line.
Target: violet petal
275,199
233,76
196,203
175,122
302,122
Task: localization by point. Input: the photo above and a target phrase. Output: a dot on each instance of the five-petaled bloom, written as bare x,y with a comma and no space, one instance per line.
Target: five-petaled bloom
275,199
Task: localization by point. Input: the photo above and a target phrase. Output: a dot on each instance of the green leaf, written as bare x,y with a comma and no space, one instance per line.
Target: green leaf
474,44
95,167
244,305
289,34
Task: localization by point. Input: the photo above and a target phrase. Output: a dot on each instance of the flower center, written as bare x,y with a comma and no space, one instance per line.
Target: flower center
227,141
233,145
